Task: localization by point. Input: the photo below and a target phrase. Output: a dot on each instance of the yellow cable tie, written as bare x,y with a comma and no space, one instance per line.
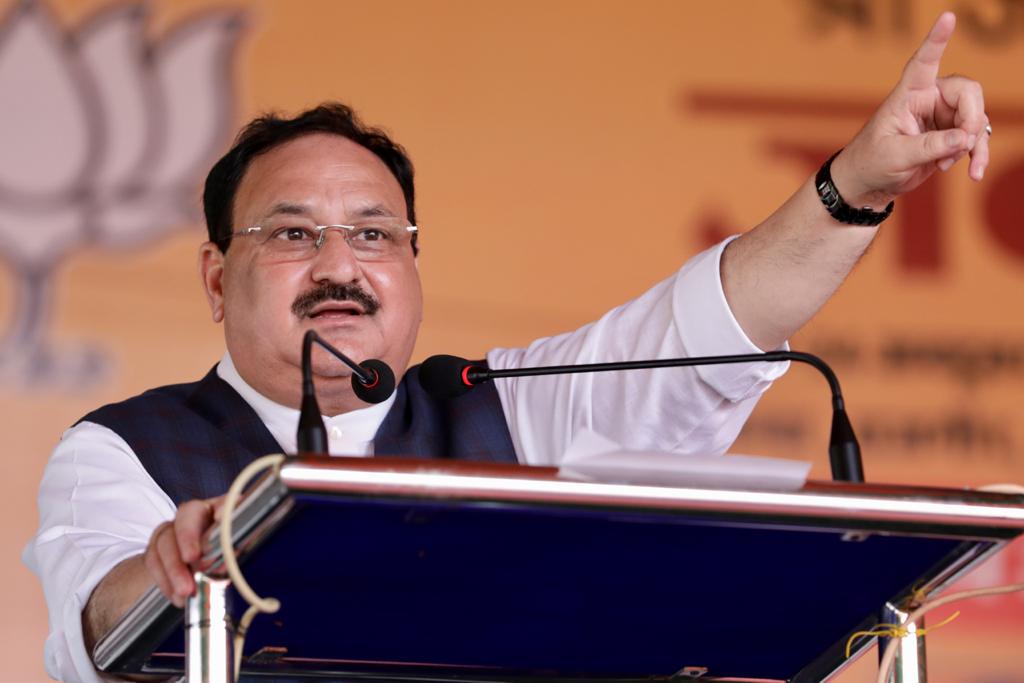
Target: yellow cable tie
951,617
894,631
890,631
917,596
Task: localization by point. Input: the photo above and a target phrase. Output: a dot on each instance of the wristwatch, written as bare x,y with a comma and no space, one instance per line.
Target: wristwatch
837,206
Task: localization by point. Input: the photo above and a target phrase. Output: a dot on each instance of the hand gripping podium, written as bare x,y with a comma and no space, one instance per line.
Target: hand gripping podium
423,570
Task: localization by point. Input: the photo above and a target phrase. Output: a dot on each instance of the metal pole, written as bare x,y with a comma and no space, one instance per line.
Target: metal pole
209,651
909,665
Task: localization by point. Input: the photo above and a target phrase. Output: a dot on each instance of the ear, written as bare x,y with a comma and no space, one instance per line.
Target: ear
211,270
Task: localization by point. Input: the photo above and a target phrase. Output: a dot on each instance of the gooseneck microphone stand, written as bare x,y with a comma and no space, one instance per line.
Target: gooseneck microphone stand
449,376
372,381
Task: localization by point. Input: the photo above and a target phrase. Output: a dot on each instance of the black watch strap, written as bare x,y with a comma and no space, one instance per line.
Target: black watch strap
837,206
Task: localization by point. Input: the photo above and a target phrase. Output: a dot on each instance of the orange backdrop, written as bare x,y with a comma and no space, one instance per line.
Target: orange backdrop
569,155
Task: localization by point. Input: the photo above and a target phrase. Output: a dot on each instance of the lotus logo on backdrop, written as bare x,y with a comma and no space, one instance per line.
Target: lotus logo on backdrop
105,137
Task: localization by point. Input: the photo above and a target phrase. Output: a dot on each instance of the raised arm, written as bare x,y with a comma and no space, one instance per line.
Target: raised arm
779,274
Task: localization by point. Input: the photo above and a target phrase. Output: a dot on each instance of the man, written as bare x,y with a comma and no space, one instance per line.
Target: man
310,228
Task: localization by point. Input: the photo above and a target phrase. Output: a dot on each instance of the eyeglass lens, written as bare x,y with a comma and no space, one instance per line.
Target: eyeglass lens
379,239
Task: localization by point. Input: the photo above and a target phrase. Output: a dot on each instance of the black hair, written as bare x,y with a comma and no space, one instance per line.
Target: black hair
269,131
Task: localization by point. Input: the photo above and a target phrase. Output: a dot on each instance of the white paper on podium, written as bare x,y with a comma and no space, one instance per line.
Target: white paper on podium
592,457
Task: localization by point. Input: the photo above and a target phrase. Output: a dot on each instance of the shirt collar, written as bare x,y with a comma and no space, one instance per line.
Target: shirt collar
349,433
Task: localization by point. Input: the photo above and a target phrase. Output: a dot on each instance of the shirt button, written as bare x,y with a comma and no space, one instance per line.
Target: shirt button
336,432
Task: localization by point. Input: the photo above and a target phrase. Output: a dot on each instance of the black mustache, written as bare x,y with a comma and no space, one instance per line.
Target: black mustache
333,291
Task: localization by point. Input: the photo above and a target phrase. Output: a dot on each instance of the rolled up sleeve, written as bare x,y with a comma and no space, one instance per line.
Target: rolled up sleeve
707,327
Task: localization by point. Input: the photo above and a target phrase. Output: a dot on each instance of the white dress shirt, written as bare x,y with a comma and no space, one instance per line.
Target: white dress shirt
98,505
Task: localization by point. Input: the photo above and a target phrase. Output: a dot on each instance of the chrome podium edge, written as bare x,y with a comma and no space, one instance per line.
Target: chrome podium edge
855,503
262,501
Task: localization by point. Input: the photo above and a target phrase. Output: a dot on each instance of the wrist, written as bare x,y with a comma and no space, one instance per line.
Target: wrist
856,193
839,207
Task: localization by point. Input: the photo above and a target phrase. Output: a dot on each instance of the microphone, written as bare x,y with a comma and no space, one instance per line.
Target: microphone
380,388
372,381
446,377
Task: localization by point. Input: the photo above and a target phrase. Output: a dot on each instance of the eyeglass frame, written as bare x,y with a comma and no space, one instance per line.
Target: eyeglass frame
322,235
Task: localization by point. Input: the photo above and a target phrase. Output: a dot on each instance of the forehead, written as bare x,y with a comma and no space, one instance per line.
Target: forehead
331,175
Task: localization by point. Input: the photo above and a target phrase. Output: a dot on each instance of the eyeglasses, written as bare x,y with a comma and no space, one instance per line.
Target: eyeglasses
296,239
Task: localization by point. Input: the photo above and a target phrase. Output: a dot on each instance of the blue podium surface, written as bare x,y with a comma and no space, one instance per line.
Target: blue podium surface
402,569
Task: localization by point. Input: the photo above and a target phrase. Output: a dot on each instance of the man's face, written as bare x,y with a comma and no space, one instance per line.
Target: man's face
329,180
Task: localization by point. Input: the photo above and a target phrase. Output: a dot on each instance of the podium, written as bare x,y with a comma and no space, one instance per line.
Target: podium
402,569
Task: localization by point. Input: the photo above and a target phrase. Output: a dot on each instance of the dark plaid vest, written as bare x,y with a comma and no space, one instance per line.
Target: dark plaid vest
193,439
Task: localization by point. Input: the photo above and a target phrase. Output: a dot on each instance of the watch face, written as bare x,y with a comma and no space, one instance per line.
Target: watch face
830,196
837,207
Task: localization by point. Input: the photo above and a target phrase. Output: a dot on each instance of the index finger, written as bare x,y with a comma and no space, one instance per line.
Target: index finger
923,68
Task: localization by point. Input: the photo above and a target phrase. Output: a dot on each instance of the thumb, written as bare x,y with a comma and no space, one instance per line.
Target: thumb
191,522
217,504
918,150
